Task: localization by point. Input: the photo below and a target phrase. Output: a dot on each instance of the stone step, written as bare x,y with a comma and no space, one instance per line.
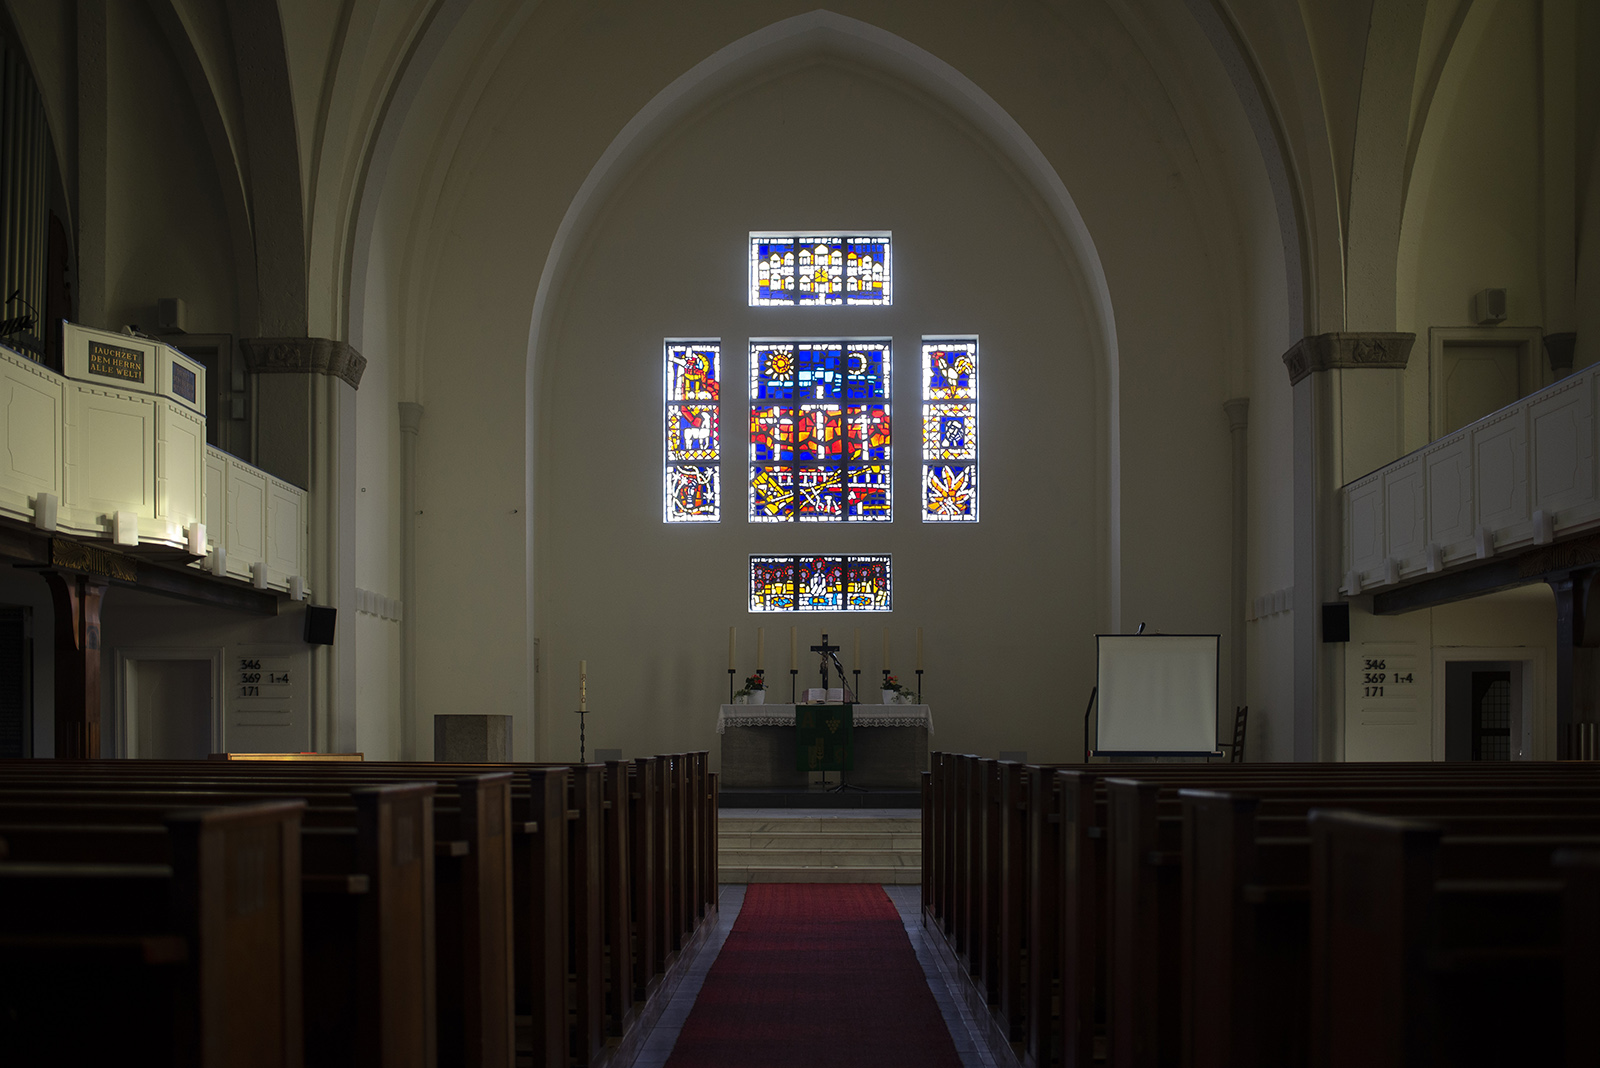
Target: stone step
835,858
784,840
764,873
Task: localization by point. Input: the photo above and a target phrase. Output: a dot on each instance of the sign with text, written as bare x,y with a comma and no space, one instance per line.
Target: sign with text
267,696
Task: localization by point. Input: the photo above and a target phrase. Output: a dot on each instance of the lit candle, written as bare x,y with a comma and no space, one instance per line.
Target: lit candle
761,648
583,686
886,648
857,664
919,648
733,646
794,648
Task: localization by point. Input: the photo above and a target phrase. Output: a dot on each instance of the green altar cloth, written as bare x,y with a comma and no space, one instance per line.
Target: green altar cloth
824,737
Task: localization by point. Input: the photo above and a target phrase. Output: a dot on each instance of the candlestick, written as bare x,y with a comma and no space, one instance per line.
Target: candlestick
731,673
583,686
794,649
919,648
761,649
919,686
794,682
857,645
733,646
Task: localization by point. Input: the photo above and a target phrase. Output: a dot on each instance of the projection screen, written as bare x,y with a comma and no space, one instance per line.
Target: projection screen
1157,694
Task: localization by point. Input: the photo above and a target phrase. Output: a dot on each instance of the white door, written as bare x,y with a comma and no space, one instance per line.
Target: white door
170,708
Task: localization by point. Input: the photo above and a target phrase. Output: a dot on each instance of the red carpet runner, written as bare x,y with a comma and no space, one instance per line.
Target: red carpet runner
815,975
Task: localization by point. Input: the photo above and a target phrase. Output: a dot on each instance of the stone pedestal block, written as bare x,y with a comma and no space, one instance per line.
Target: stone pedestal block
472,739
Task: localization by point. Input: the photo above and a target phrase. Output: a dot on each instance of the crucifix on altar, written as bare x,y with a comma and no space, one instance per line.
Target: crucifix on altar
827,653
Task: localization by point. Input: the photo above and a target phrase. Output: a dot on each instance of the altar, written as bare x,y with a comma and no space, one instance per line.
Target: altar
758,746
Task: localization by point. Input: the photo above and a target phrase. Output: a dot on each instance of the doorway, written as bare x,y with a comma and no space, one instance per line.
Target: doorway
168,704
1486,711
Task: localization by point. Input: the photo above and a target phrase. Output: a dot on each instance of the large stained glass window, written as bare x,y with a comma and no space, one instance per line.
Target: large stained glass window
950,430
820,269
819,431
815,583
693,483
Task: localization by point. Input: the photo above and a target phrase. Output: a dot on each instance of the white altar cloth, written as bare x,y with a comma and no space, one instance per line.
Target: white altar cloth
862,716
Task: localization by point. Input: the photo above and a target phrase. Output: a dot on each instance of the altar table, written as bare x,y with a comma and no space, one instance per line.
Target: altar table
758,747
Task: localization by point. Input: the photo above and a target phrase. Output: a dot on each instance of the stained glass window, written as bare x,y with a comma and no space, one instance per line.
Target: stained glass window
820,269
818,583
820,431
950,430
692,488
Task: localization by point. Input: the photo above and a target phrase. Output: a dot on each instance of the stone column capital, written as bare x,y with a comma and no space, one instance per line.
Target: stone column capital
304,355
410,417
1324,352
1237,409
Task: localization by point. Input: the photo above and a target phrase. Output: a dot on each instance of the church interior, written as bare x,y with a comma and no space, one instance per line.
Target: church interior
332,327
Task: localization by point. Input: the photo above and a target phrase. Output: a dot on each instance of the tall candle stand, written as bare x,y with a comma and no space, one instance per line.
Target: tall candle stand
731,672
885,679
794,685
919,686
856,693
582,752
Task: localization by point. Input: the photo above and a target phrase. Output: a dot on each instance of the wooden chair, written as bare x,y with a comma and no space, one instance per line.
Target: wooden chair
1235,748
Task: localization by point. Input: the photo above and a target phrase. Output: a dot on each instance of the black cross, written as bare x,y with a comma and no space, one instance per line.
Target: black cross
825,650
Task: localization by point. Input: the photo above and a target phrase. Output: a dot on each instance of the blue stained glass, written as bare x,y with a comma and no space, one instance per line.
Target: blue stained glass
866,372
949,492
950,430
820,581
821,371
771,493
868,492
692,480
820,269
772,583
819,492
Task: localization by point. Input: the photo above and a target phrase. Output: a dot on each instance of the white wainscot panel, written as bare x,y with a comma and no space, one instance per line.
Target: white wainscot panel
216,496
1366,524
1562,422
1500,464
1406,510
246,518
111,461
285,528
30,427
1449,467
180,470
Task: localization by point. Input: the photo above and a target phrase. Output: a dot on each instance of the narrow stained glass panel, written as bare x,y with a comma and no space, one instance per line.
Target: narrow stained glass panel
826,269
950,431
819,492
691,432
692,480
820,583
693,494
868,491
949,492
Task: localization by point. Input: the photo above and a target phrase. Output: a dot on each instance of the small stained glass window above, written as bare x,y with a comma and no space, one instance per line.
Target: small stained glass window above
821,269
820,583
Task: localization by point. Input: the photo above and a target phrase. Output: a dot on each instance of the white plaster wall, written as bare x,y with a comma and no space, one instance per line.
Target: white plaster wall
1103,125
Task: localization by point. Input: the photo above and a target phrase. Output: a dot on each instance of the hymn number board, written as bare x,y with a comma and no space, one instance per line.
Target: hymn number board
268,708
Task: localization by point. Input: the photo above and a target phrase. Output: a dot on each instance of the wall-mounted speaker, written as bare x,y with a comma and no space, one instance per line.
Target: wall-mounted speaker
1489,306
1336,622
319,624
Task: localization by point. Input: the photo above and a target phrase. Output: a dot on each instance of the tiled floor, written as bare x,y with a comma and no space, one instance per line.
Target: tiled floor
657,1046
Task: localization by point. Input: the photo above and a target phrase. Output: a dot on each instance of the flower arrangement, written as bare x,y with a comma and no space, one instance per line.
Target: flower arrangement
756,683
892,682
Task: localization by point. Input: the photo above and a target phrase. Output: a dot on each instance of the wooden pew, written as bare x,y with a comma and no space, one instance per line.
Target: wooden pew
193,962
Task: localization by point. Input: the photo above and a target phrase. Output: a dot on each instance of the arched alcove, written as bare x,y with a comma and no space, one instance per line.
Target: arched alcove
656,247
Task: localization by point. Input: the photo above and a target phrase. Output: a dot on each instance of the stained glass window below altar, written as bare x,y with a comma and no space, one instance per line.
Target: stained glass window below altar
820,583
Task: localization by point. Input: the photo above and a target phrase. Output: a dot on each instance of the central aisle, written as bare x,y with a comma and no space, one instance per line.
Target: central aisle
812,974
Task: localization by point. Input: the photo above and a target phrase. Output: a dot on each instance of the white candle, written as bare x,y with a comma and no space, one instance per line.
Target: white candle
919,648
733,646
761,648
794,648
583,686
857,664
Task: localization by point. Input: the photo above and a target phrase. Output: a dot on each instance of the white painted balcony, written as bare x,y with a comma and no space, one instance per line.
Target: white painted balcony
1519,477
116,449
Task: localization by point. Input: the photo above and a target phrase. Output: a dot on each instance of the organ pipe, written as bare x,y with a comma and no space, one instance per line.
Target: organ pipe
24,194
